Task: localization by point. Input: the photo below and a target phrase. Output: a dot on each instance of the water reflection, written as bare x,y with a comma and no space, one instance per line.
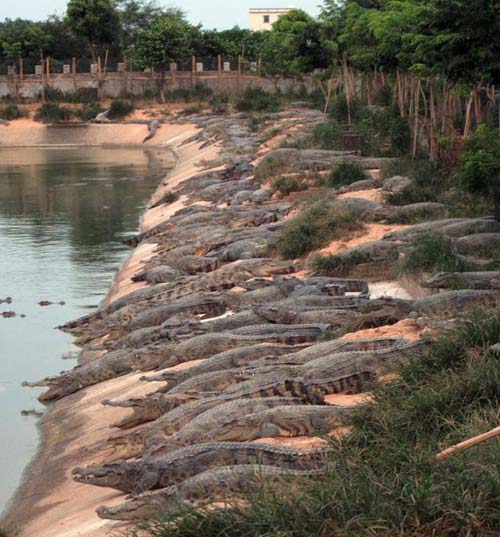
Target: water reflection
63,213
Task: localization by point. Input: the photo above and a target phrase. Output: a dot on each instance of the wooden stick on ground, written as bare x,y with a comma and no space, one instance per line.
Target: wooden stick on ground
467,444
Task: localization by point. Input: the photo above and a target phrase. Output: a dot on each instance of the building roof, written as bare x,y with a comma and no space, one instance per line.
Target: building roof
270,9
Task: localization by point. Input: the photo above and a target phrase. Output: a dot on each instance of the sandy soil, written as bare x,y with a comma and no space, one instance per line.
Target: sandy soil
372,194
372,232
407,329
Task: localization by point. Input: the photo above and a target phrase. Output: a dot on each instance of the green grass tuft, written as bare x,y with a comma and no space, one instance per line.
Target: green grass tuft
315,227
287,185
433,253
337,264
345,173
120,108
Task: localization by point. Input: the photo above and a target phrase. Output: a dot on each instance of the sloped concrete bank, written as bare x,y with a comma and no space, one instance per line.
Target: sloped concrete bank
49,502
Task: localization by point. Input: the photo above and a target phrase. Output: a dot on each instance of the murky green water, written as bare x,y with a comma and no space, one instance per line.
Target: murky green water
63,213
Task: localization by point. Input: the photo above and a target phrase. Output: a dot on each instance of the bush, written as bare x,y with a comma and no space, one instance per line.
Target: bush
271,165
433,253
383,478
337,264
479,165
191,110
90,111
120,108
326,135
345,173
287,185
219,103
257,100
52,112
315,227
10,112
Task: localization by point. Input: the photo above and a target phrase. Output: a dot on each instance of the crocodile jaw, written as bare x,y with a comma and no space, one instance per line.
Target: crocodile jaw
100,477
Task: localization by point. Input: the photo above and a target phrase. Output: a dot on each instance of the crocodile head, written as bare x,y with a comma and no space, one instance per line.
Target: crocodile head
118,475
148,505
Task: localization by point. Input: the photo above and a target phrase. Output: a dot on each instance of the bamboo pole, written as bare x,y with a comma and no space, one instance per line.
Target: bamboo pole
239,71
47,61
43,83
415,126
193,71
468,115
219,68
468,444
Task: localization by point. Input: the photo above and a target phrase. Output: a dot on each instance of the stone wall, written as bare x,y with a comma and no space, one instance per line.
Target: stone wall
139,84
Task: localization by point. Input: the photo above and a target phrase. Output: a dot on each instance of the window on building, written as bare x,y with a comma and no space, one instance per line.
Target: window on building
266,19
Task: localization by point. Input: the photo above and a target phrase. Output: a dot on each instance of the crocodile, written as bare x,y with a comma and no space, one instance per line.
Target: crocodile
239,357
174,467
204,488
248,425
111,365
478,243
207,345
201,420
225,277
265,355
153,127
465,280
456,302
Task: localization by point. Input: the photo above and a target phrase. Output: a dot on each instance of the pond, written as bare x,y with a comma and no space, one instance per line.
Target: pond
63,215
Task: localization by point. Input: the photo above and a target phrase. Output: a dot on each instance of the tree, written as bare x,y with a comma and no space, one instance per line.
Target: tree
97,20
22,38
293,47
139,15
169,39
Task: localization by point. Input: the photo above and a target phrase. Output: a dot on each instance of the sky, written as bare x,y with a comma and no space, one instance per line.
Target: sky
211,13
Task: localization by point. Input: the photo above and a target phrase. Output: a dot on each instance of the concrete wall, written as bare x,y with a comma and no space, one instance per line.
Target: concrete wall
263,19
139,84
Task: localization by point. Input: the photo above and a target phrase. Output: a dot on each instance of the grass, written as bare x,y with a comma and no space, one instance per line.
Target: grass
120,108
11,112
383,479
257,100
271,165
315,227
52,112
337,264
90,111
345,173
287,185
326,135
168,197
433,253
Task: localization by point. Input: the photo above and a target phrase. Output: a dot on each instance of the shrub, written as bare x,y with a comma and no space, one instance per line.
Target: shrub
191,110
326,135
336,264
168,197
219,103
257,100
120,108
345,173
413,193
287,185
10,112
433,253
314,228
383,478
52,112
479,165
271,165
88,112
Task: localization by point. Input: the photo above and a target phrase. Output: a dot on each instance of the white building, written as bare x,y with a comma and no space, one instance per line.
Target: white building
263,18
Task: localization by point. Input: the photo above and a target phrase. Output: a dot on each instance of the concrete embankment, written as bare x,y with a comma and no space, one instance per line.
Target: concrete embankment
49,503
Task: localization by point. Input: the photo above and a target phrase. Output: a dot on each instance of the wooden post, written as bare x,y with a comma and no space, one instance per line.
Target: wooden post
259,67
239,70
41,73
73,66
193,71
99,67
21,70
219,67
48,68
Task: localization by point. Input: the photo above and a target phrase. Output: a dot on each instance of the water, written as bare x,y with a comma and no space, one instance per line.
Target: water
63,213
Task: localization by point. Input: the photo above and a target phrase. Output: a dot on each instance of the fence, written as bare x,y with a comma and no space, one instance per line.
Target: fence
27,77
